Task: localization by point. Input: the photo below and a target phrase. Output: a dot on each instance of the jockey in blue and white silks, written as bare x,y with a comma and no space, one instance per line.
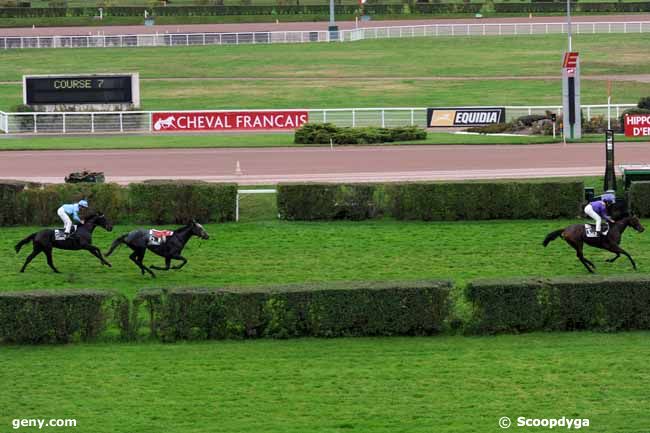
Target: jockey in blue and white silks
598,210
68,210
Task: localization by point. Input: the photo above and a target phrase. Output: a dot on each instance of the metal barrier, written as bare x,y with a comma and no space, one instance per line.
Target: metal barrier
140,121
430,30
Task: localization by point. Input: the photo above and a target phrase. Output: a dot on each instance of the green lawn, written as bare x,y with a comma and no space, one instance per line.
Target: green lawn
274,252
335,75
368,385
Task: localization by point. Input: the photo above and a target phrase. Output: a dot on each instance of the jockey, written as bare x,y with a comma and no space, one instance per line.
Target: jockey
68,210
598,210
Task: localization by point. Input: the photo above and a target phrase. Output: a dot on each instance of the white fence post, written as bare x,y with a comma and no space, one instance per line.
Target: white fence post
354,120
63,120
121,122
35,128
383,118
92,122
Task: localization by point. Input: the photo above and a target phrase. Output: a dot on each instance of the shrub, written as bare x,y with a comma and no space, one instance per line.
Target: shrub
312,133
313,201
9,192
560,304
60,317
639,196
644,103
326,310
484,200
166,202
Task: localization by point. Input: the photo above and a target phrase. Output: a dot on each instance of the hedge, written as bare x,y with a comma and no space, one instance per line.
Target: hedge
178,202
325,310
639,197
326,133
61,317
158,202
485,200
316,201
560,304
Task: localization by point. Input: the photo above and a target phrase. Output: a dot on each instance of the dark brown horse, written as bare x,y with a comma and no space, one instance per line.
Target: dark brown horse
576,236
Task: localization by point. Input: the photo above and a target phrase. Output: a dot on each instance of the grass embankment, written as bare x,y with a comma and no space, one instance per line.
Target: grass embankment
372,73
369,385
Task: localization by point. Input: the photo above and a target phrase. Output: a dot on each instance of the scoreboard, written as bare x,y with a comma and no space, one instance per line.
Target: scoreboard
81,89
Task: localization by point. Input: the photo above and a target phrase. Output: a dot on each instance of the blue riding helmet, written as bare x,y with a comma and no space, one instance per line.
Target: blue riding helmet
83,203
608,198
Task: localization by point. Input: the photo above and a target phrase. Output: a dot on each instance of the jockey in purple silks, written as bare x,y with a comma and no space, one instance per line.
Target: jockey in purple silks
598,210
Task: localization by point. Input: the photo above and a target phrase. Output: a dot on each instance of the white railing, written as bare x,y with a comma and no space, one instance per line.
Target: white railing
140,121
430,30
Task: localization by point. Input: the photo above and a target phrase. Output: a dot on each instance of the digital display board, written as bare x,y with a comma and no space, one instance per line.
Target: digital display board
92,89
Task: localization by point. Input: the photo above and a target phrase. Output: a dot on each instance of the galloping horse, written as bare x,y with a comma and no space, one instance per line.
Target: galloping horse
45,240
575,235
139,241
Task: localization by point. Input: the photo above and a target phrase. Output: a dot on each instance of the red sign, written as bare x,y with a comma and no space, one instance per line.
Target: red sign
570,60
637,125
228,120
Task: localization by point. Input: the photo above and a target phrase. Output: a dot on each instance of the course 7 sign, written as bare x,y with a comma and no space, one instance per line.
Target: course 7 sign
228,120
637,125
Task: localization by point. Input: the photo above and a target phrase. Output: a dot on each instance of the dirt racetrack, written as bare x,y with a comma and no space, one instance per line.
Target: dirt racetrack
349,164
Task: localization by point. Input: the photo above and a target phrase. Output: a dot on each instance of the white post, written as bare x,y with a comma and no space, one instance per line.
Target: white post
354,118
588,113
35,128
121,122
237,208
383,116
187,40
412,117
64,123
150,121
609,112
92,122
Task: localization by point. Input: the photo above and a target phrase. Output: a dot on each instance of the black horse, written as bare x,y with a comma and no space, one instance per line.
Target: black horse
139,241
575,235
44,241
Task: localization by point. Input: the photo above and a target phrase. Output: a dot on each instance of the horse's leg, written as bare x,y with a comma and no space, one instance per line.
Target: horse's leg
577,245
30,257
618,250
168,262
179,257
97,253
140,252
48,254
613,259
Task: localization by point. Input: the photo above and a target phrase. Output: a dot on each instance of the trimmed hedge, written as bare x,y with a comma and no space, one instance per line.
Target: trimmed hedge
159,202
485,200
323,133
178,202
316,201
60,317
326,310
560,304
639,196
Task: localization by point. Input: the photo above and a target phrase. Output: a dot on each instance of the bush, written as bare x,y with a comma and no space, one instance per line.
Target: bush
166,202
313,201
9,192
485,200
60,317
644,103
560,304
639,196
312,133
326,310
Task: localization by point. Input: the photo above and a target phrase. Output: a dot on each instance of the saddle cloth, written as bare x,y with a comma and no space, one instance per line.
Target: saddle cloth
59,234
590,229
157,237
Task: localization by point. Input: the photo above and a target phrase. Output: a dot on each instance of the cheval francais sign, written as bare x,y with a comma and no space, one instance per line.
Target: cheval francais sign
228,120
637,125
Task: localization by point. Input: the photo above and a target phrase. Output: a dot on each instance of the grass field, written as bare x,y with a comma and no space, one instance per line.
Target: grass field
368,385
272,252
361,74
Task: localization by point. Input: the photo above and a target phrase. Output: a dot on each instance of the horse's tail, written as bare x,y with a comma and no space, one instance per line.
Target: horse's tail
27,240
552,236
116,243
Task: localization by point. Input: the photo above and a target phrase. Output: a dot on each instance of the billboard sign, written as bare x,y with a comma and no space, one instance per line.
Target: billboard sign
637,125
228,120
464,117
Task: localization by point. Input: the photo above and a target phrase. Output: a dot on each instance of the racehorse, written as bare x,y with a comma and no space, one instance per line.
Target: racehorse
45,240
576,235
139,241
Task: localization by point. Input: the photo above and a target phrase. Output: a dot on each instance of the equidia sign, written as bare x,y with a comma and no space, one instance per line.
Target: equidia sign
459,117
637,125
228,120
